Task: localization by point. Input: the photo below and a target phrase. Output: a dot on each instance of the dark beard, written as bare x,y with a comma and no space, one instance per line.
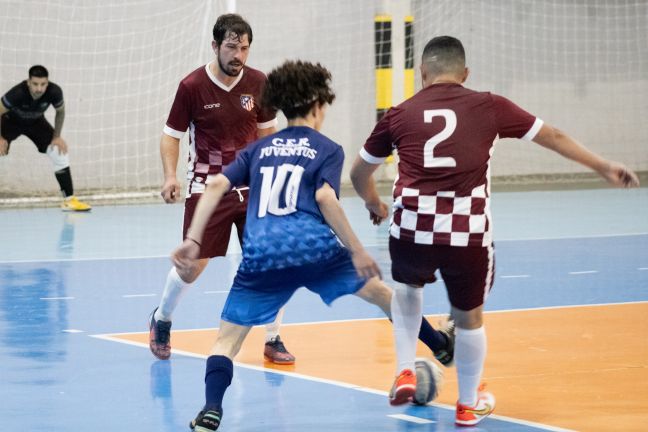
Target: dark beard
225,71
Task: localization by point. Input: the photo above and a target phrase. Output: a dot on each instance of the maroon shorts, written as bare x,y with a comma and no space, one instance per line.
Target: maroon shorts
40,132
467,272
230,210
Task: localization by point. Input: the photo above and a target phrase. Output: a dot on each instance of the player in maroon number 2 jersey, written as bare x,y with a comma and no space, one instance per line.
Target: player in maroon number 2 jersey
219,104
441,219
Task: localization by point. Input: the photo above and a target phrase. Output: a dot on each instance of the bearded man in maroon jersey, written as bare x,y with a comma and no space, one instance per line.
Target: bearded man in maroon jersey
219,104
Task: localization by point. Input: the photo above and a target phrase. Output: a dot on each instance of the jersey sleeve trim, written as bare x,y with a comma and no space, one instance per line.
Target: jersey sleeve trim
364,154
265,125
6,103
537,125
172,132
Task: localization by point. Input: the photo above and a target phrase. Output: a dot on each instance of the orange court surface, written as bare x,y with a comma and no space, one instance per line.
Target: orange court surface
548,366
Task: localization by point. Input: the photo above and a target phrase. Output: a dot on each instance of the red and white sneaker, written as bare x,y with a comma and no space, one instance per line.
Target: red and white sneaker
470,416
403,389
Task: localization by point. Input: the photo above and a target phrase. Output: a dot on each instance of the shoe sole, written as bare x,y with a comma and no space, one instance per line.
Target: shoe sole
403,395
474,422
201,429
278,362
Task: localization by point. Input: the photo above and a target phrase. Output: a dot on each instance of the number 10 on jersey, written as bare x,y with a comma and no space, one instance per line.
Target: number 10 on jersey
288,179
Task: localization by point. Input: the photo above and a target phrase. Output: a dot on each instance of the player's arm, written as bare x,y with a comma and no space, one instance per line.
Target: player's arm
59,118
57,140
169,152
4,145
184,257
334,215
615,173
365,186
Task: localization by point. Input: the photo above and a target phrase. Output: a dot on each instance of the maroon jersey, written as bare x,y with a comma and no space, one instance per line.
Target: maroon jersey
221,120
445,136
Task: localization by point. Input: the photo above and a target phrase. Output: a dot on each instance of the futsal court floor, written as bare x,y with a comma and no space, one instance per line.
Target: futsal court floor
567,321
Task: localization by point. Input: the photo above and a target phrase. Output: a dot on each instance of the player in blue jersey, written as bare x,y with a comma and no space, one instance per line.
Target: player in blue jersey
296,234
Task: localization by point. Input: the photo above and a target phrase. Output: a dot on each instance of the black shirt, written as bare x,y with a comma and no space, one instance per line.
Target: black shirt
22,107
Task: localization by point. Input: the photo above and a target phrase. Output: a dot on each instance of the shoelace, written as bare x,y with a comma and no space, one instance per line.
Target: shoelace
278,345
238,191
163,332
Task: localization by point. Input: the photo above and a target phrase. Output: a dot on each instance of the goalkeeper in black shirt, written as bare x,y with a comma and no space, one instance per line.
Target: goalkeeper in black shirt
22,113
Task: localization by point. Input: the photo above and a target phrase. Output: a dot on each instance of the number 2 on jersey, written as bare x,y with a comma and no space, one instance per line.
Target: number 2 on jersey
269,201
429,161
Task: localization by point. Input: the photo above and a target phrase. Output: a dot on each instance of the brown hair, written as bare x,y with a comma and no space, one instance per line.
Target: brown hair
295,86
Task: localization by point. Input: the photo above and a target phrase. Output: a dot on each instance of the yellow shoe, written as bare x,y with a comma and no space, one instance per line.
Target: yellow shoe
73,204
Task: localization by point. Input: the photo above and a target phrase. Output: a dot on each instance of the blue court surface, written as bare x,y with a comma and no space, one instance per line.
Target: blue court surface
68,278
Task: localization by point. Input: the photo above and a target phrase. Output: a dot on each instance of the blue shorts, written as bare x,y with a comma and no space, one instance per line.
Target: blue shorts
256,297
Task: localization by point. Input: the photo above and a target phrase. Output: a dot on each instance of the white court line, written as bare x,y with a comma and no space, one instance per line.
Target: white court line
561,307
410,418
138,295
72,331
436,315
109,337
642,268
367,245
583,272
57,298
215,292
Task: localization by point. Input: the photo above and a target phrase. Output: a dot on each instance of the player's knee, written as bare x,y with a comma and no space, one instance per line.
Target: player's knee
60,161
470,319
376,292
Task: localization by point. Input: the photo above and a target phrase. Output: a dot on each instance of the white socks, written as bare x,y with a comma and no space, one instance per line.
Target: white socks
406,314
174,289
272,329
469,356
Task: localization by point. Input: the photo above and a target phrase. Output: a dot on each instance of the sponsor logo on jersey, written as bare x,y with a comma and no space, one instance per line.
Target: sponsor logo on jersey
210,106
247,102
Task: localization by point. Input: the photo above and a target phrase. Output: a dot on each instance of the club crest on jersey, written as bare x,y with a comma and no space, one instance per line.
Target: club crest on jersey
247,102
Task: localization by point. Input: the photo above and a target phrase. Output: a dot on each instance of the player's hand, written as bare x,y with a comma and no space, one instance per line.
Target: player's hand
365,265
619,175
4,147
59,143
185,257
378,212
170,190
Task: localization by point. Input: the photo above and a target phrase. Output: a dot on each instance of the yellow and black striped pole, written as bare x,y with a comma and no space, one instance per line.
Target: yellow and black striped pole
409,57
382,33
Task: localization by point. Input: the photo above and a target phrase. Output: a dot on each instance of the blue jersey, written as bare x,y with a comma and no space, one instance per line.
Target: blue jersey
284,226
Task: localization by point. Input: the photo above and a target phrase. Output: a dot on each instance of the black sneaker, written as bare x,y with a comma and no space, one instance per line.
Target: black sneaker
207,420
159,337
275,351
445,356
